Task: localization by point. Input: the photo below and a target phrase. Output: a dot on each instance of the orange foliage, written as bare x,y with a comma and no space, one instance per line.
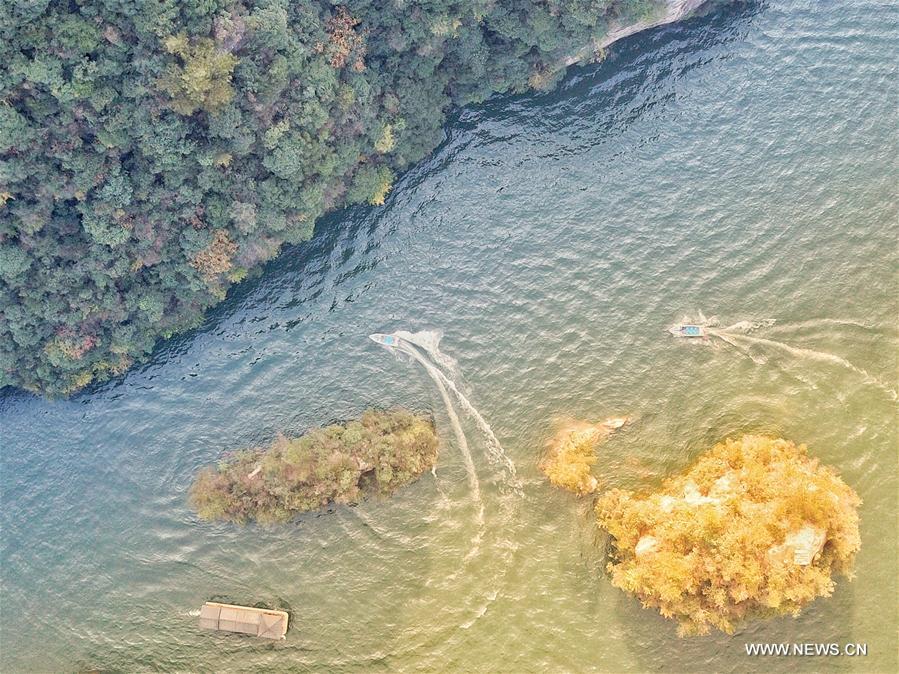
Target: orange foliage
345,45
217,257
724,541
72,347
571,453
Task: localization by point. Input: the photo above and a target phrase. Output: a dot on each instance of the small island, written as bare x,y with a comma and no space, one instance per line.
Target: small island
342,463
571,453
754,528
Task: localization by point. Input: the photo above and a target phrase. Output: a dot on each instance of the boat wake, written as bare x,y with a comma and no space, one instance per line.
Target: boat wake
820,323
461,440
493,558
738,335
748,326
429,340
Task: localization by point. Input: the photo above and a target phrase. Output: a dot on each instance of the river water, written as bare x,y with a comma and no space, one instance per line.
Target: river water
742,163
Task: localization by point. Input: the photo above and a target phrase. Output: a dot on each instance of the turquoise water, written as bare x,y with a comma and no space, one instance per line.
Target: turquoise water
742,163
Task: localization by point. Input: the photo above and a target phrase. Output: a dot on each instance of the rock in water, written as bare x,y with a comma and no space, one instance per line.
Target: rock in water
802,545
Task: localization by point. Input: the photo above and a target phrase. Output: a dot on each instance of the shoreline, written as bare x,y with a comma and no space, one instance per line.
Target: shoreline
84,354
676,10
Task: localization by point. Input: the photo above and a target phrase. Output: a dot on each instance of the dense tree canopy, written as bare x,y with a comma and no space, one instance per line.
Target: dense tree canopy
374,456
755,528
153,153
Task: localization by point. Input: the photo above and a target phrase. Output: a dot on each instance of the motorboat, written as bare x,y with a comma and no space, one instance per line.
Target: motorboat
690,330
390,341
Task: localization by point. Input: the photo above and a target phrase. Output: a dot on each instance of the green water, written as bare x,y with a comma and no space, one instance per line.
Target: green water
742,164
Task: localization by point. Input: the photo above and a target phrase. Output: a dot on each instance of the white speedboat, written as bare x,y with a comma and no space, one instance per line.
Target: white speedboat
384,340
690,330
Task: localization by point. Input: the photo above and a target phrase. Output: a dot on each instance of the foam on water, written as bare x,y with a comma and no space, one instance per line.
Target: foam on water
503,522
748,326
461,440
810,354
429,340
819,322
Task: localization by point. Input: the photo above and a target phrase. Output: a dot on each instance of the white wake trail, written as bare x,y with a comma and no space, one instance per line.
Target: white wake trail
820,322
429,341
723,336
462,441
497,541
748,326
821,356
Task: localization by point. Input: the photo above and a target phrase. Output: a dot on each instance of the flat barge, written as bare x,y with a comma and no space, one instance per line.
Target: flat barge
257,622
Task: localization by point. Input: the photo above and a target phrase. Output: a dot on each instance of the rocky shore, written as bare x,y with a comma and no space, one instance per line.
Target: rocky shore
675,10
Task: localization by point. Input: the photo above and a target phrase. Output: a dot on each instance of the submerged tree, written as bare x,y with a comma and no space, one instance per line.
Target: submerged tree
571,454
375,455
754,528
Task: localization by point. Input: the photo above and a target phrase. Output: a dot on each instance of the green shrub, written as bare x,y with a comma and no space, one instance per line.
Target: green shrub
722,542
201,80
375,455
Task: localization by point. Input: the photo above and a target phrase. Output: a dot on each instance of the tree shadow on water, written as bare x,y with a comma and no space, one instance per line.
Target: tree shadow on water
639,73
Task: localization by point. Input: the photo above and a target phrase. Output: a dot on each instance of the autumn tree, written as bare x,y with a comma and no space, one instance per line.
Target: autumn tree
200,77
343,463
754,528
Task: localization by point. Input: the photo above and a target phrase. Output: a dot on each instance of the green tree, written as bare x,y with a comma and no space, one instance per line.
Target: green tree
153,153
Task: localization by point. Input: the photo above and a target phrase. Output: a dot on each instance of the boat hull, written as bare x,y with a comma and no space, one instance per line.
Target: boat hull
390,341
688,331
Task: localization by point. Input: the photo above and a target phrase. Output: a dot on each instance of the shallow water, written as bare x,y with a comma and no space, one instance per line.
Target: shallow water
741,163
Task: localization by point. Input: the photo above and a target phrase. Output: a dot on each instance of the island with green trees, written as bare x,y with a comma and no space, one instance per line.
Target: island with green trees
375,455
152,154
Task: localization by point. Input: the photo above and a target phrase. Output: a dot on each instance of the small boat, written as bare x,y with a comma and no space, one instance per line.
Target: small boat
384,340
257,622
688,330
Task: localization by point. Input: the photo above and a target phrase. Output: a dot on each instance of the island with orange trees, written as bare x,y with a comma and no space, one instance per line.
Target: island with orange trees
754,528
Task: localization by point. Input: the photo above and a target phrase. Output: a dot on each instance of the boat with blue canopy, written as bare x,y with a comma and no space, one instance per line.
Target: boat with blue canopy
384,340
688,330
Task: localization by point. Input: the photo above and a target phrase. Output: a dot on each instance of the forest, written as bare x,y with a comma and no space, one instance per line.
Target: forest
152,154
